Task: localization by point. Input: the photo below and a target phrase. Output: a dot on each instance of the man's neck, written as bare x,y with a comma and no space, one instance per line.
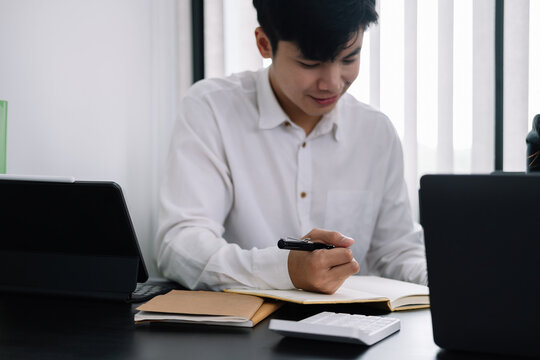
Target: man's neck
307,123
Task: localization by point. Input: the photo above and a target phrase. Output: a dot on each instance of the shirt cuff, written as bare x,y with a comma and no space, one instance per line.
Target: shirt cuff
271,265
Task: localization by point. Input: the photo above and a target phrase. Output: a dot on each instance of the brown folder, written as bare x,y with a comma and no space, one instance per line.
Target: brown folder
206,307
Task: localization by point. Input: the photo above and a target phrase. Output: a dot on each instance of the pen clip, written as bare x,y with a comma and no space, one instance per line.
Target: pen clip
306,240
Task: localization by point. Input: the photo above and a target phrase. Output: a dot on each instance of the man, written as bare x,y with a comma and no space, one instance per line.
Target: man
286,152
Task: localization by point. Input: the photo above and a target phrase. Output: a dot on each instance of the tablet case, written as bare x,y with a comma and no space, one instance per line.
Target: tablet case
68,238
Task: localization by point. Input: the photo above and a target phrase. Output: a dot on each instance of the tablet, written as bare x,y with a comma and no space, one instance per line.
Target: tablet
67,237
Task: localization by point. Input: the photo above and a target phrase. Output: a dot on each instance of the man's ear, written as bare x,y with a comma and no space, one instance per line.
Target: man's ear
263,43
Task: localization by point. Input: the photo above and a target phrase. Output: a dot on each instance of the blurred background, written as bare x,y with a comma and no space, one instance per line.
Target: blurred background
93,86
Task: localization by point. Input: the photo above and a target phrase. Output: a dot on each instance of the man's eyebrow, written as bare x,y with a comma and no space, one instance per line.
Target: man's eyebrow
303,58
353,53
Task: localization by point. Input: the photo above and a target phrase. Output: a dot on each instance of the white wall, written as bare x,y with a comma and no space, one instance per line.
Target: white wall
92,88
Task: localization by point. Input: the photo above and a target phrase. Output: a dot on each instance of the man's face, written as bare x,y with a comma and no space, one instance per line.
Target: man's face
308,89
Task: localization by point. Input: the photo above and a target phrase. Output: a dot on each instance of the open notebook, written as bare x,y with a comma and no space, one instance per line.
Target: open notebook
392,295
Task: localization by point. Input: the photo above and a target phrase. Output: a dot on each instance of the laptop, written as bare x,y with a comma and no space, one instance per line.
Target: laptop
65,237
482,237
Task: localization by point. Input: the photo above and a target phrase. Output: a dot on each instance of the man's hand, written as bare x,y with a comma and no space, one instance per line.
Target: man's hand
323,270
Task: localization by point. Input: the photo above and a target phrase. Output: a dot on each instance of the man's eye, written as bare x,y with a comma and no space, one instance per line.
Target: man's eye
308,66
348,61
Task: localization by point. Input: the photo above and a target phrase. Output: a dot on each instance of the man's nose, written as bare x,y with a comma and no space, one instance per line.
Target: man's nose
330,78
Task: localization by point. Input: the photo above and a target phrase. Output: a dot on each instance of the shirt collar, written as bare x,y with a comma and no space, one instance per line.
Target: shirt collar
271,115
329,122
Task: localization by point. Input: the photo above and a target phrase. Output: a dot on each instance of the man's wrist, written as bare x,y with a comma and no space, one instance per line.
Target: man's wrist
272,266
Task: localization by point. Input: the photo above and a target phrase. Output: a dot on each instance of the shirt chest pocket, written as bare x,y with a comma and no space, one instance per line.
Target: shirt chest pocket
351,212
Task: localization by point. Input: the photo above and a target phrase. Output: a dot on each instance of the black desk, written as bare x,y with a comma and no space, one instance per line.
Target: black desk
55,328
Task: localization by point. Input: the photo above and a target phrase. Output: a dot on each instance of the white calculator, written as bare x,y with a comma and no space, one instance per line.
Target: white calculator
350,328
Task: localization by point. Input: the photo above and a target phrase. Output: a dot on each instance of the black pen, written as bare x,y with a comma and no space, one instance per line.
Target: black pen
305,245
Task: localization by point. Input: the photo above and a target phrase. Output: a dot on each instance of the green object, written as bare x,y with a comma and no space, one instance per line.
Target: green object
3,135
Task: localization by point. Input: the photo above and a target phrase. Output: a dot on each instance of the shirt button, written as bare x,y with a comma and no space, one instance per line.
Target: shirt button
303,194
287,124
303,144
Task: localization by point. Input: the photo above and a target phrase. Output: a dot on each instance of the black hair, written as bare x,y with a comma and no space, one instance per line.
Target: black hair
320,28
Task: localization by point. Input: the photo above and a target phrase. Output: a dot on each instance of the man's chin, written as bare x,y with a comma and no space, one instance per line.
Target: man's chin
321,110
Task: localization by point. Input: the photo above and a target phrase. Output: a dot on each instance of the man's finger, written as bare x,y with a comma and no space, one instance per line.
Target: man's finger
334,257
330,237
345,270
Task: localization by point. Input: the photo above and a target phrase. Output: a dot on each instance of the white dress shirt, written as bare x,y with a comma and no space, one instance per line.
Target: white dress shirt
240,176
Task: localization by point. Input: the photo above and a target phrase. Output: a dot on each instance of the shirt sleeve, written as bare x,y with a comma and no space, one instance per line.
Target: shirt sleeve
196,197
397,247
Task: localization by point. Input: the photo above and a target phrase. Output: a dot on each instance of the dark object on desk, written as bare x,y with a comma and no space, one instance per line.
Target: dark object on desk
533,146
147,290
482,249
68,238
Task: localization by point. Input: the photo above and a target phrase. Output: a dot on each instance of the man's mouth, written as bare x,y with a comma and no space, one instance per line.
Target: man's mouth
326,100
